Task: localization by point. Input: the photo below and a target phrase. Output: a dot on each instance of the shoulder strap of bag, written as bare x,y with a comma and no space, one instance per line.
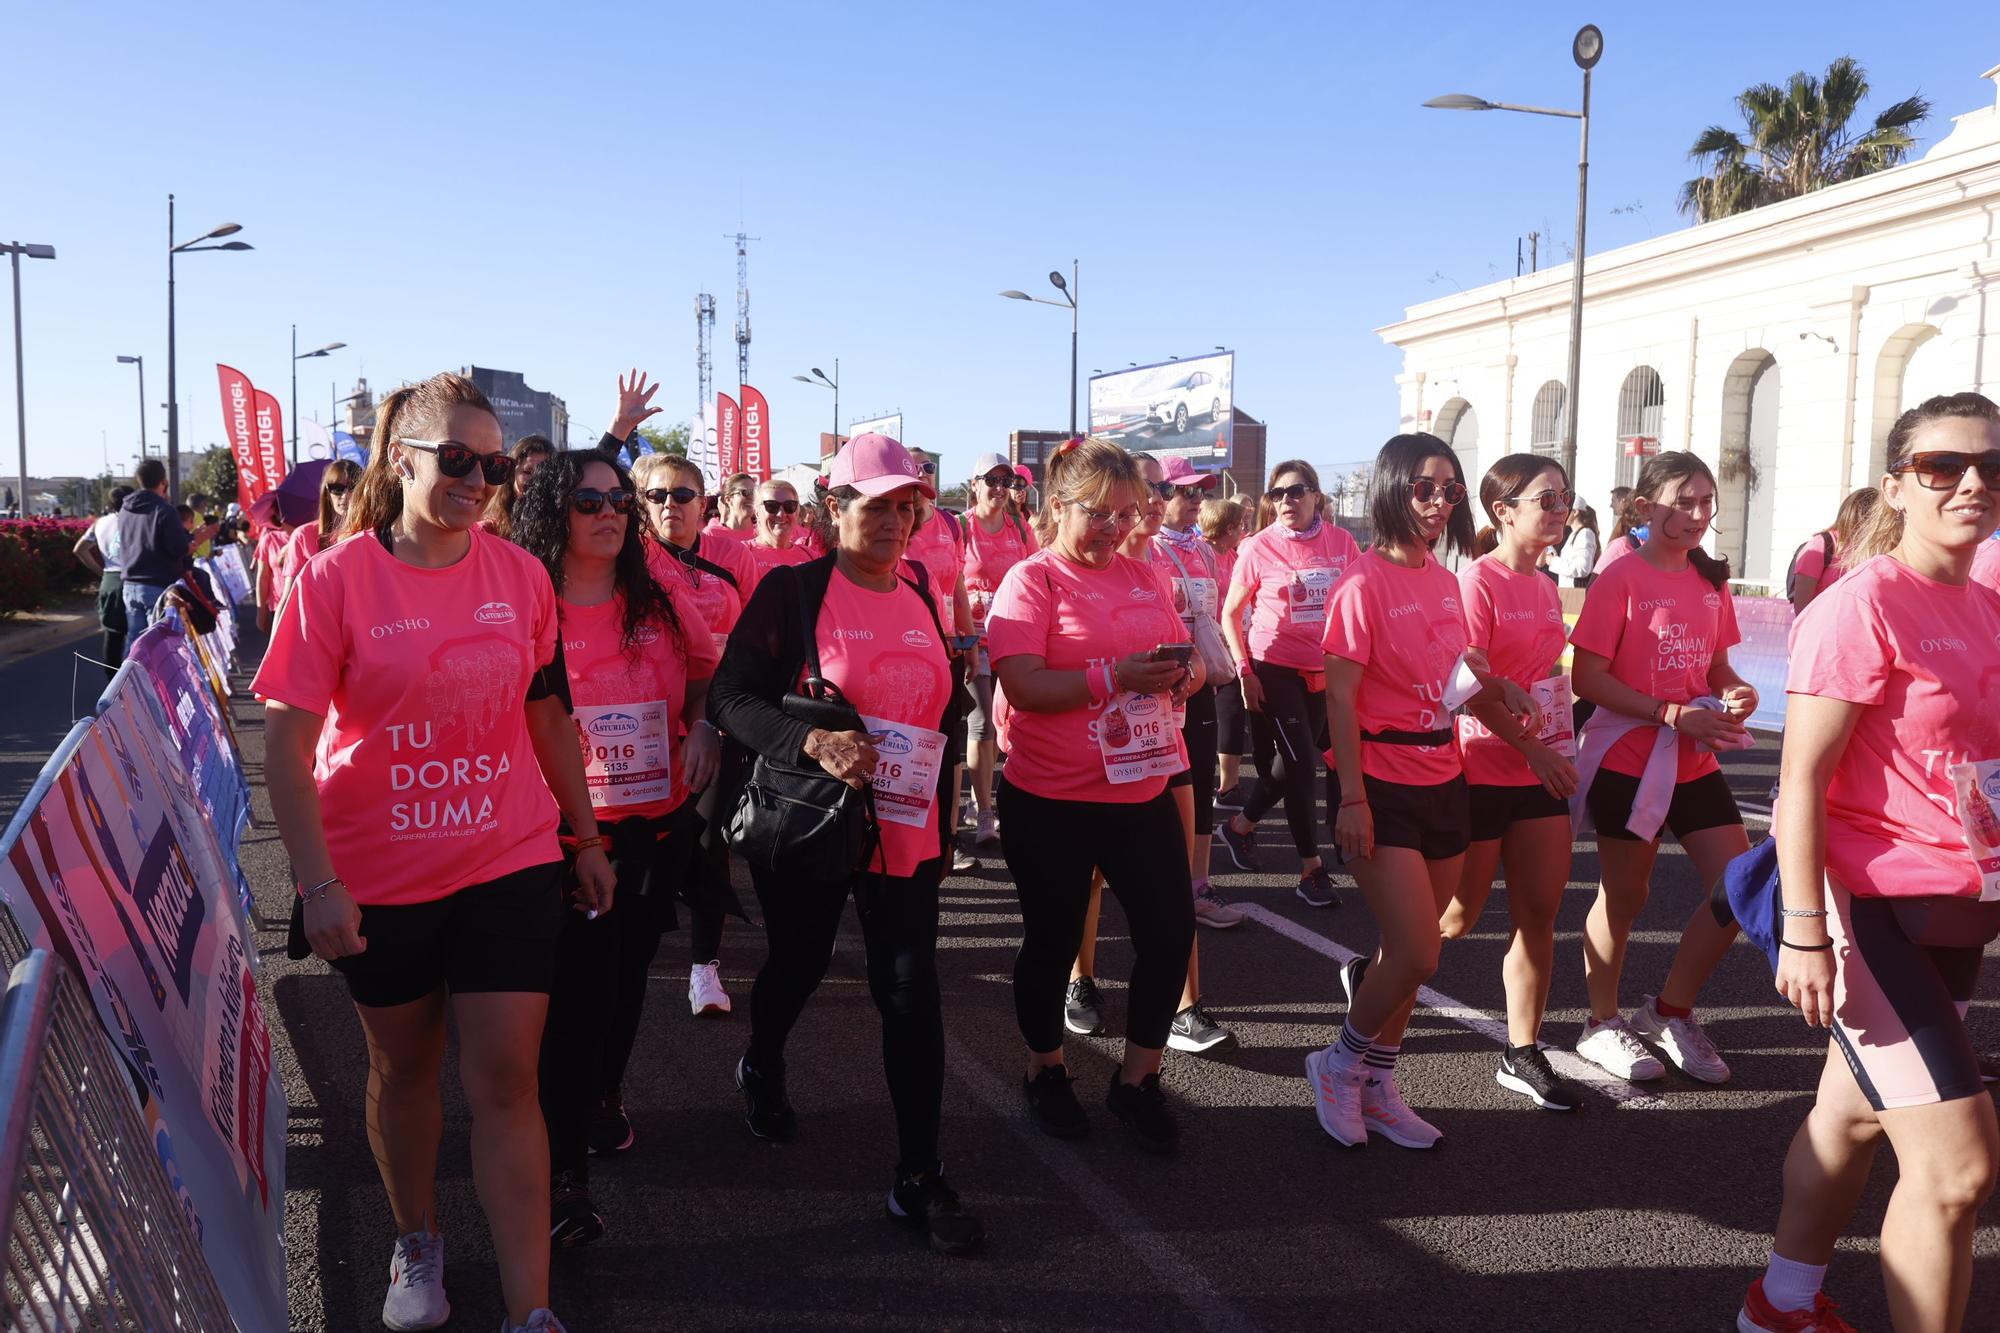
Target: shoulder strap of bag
708,566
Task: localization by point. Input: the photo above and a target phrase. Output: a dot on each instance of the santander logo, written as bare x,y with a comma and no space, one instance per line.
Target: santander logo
494,613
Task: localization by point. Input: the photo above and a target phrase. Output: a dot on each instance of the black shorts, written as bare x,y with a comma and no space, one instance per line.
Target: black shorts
1433,820
1699,803
496,936
1495,808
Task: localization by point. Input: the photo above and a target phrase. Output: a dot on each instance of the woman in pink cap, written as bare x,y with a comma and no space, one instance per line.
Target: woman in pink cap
878,638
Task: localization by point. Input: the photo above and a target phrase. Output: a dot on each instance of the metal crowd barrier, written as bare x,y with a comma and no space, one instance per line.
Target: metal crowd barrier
96,1237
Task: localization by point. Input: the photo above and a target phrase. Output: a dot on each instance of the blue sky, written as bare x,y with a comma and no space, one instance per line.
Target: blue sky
546,187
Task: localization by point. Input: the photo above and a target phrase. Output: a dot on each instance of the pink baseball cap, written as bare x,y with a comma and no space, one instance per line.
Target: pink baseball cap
1177,471
1021,471
876,465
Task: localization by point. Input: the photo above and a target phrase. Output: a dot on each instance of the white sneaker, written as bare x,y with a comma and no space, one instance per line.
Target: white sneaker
539,1321
1684,1041
705,993
416,1283
962,861
1213,910
988,829
1611,1046
1385,1112
1337,1100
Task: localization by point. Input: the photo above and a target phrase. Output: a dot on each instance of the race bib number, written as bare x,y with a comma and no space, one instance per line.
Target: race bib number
980,600
1137,739
1195,597
625,755
907,763
1976,788
1557,703
1309,593
721,642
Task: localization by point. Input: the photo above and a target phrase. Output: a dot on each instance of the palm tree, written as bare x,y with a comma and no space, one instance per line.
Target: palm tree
1798,142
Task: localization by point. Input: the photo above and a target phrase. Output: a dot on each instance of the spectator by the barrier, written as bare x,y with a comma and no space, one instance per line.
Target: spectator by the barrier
152,544
1577,559
1821,558
98,549
1628,528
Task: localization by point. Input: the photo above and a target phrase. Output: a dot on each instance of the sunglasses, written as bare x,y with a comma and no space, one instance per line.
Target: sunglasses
1944,469
458,460
777,507
1191,492
680,495
1550,501
1426,489
339,487
1004,481
1298,490
928,469
1163,489
590,500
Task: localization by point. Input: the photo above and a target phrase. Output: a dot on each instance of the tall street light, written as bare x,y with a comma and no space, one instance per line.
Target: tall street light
1068,289
1586,50
140,362
819,377
298,356
17,250
173,403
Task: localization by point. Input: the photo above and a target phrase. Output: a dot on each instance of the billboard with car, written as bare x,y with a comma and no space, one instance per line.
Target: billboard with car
1171,409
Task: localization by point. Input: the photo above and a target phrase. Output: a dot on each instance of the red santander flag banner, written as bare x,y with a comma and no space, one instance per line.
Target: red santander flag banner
728,437
756,451
268,429
239,413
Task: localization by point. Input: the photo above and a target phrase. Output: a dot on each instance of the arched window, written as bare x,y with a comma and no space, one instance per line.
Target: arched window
1550,421
1642,403
1748,466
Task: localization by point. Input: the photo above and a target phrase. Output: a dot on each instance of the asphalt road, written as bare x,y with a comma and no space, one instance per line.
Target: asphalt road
1651,1213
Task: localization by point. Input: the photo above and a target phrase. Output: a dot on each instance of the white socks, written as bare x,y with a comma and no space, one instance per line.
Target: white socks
1792,1286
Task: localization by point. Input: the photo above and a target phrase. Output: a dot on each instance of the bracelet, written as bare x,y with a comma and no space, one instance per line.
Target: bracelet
585,844
319,889
1802,911
1807,948
1359,800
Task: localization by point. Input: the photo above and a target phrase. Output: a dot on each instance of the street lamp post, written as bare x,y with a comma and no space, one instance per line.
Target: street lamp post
298,356
1586,49
140,362
17,250
173,402
819,377
1068,289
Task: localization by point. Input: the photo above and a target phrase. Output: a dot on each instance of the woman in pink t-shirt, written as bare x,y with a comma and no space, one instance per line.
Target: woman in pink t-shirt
1884,927
1286,573
422,660
1394,639
1222,529
1653,638
1519,780
997,537
736,517
1823,556
938,546
1076,632
777,528
272,550
336,493
878,641
639,660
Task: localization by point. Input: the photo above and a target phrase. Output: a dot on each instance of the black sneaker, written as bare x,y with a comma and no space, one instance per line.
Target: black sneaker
1240,850
1083,1009
1316,888
1526,1070
1053,1106
573,1220
1230,800
610,1131
1193,1030
1142,1109
1351,973
1989,1069
926,1203
765,1108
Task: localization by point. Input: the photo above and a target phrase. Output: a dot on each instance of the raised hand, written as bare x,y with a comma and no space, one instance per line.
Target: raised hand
635,398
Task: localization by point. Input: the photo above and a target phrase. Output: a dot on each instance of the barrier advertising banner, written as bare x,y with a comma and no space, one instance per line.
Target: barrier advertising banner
198,737
728,422
114,863
756,434
239,408
1181,409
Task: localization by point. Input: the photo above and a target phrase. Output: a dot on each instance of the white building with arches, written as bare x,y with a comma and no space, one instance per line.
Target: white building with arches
1780,345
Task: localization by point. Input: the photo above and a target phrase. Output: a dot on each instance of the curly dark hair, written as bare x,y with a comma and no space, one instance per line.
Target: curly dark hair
541,528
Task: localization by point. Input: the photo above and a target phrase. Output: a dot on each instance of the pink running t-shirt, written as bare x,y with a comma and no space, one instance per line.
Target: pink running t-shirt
1517,621
1076,618
939,551
1292,580
1920,655
720,604
1406,628
882,650
715,529
1986,564
988,557
629,701
1614,551
1661,633
273,551
303,546
768,558
427,778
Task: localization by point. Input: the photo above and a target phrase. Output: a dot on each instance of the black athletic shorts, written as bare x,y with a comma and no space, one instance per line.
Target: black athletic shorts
496,936
1699,803
1433,820
1496,808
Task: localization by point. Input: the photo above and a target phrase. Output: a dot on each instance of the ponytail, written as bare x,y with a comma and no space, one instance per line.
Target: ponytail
1084,470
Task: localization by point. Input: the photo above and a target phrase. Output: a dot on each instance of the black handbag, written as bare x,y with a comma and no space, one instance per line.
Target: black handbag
793,819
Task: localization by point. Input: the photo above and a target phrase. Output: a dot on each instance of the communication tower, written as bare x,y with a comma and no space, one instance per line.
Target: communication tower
743,306
704,369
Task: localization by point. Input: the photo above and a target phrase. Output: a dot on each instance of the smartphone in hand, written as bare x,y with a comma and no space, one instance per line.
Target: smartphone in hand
1182,653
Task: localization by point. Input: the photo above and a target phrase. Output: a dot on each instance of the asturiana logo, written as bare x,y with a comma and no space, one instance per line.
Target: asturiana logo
645,634
891,742
1141,705
494,613
613,725
1144,594
1991,786
916,638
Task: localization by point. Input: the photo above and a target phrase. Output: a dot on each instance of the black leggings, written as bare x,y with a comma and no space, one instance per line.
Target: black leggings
899,924
1200,736
705,913
1292,730
1051,847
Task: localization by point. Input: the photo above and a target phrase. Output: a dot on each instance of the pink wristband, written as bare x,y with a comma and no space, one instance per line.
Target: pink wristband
1094,681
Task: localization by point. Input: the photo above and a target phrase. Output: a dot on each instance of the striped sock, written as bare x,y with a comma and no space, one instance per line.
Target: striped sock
1382,1057
1349,1051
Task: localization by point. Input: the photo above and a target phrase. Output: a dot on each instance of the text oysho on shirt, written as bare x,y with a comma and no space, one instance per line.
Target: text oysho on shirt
883,650
1517,621
629,702
1661,632
1076,618
427,779
1407,629
1291,580
1924,659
